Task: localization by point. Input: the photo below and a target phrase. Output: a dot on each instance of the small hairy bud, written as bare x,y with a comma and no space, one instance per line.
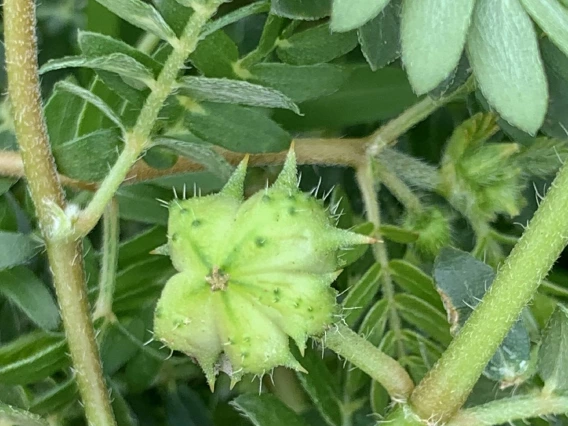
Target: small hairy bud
433,228
252,274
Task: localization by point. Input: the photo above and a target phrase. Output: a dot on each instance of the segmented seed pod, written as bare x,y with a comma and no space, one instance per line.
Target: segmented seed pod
252,274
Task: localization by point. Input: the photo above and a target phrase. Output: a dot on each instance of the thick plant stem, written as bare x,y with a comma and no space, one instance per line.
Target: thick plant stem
361,353
65,258
447,385
366,181
508,410
138,139
103,306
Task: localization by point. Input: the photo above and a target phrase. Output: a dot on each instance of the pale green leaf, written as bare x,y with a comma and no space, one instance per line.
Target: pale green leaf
553,353
433,34
31,295
301,9
118,63
552,17
347,15
503,51
92,99
225,90
141,15
194,148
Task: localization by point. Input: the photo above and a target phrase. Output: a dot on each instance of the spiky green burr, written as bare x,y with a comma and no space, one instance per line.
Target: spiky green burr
252,274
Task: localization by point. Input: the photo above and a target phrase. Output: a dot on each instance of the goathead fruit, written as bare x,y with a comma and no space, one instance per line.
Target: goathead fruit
252,274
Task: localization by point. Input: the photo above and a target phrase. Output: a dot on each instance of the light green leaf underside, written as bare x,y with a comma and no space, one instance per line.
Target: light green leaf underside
552,17
433,35
347,15
503,51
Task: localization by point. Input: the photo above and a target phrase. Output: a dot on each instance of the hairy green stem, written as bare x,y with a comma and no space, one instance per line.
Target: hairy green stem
138,138
65,257
361,353
103,305
447,385
397,187
367,183
510,409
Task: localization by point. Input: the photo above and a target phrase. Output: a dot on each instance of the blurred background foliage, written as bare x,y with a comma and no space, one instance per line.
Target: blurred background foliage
476,177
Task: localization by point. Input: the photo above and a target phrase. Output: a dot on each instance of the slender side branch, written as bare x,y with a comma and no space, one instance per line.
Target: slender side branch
138,139
103,306
390,132
447,385
361,353
366,182
510,409
65,258
397,187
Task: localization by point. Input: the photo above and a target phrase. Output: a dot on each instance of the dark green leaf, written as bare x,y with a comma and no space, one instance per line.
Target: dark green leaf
16,249
379,399
95,45
553,353
235,16
216,55
15,416
225,90
413,280
88,157
543,157
266,410
122,412
140,245
192,147
62,115
141,371
237,128
175,13
509,70
454,81
301,9
361,294
117,351
366,97
184,407
424,316
380,37
348,15
141,15
300,83
32,357
25,290
56,398
140,203
398,234
556,120
320,385
315,46
92,99
462,280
